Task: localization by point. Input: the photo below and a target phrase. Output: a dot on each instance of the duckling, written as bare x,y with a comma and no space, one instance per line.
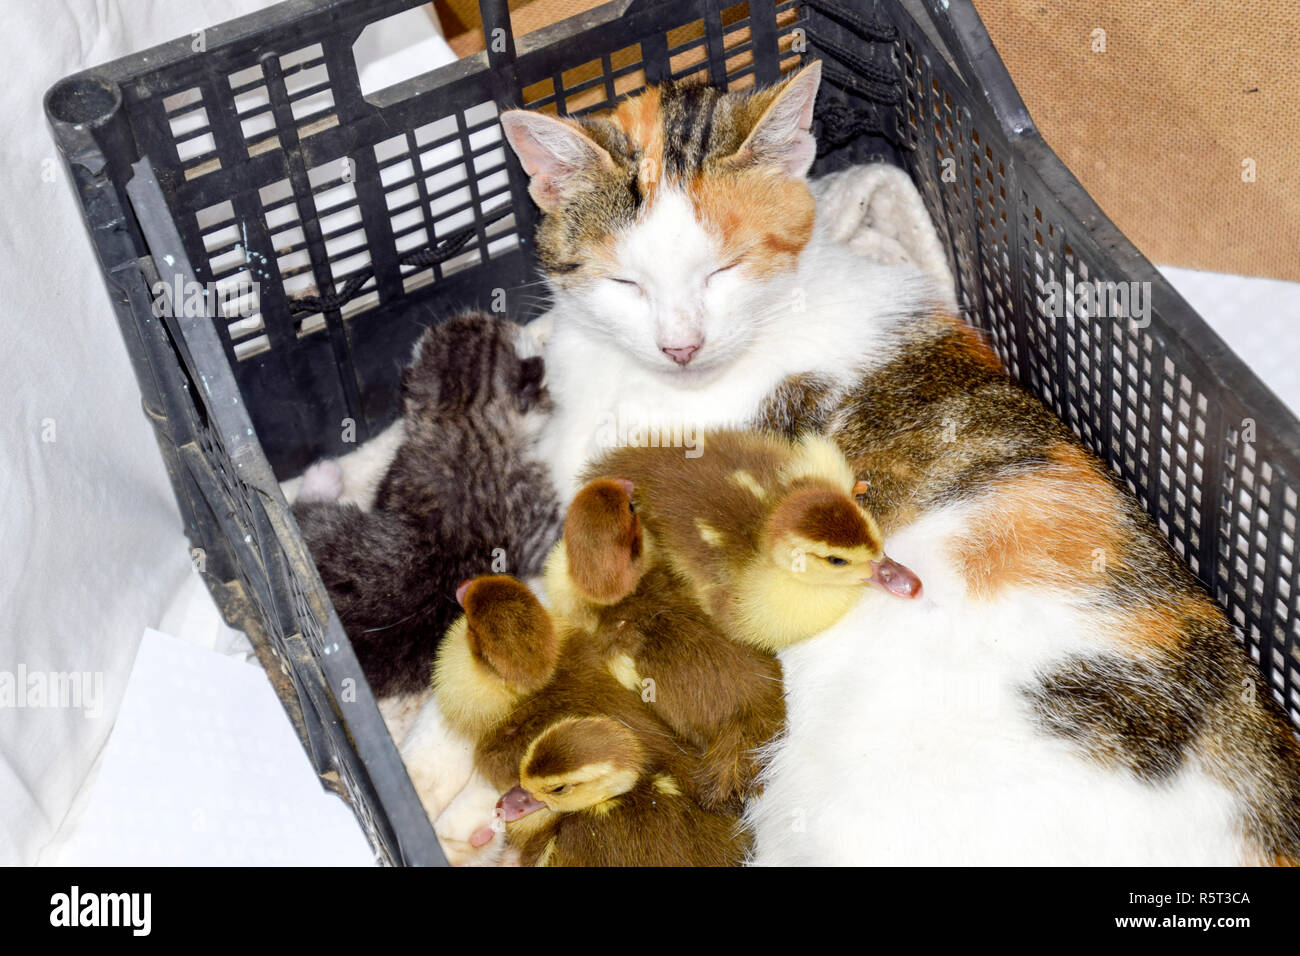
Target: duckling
602,555
766,531
502,649
581,685
594,792
506,668
722,697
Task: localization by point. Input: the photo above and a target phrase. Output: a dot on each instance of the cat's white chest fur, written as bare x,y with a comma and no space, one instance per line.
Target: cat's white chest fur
909,743
603,401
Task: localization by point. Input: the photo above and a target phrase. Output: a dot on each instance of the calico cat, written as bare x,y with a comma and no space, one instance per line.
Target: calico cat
463,490
1063,691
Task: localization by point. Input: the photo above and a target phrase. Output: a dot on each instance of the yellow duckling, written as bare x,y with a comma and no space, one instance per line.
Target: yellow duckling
504,648
766,531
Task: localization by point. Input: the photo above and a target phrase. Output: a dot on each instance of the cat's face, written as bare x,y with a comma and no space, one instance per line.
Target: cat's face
669,224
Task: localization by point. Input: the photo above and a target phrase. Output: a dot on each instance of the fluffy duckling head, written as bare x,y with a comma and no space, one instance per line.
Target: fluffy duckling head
604,543
578,763
509,631
822,536
502,648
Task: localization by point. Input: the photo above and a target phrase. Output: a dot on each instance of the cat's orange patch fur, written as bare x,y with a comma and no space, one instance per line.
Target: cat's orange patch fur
642,120
1260,857
1060,528
977,345
1052,528
756,214
1164,628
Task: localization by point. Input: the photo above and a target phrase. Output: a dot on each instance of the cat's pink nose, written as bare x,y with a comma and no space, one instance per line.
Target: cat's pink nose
682,355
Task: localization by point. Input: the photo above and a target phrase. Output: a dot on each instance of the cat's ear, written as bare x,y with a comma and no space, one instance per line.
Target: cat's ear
782,137
421,376
531,373
555,154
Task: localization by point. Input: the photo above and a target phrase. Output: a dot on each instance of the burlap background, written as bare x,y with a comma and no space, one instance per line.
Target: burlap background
1157,127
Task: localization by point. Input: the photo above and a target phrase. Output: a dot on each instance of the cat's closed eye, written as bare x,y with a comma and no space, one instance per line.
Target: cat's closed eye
630,283
727,268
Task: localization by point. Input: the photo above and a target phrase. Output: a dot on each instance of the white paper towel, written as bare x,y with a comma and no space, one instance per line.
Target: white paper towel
203,768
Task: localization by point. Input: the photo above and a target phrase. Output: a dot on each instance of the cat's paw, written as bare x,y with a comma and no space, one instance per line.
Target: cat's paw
469,829
323,481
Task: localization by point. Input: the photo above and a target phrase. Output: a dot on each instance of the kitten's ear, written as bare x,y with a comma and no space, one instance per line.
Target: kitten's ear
782,136
420,377
554,153
531,372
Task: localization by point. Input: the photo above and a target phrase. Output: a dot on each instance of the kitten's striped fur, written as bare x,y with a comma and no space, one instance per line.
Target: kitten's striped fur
463,490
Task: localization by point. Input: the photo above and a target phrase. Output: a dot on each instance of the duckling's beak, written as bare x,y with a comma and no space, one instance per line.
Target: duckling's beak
518,803
894,578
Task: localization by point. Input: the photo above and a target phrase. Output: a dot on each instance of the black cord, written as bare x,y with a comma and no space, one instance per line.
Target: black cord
879,76
426,255
841,124
852,72
867,29
885,94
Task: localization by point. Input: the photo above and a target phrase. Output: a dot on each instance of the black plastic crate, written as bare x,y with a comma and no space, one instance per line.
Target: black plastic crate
284,130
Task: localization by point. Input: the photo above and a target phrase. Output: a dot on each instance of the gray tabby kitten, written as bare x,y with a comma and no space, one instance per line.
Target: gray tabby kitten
463,492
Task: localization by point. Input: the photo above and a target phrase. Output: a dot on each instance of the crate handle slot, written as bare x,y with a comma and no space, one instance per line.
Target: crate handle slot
402,29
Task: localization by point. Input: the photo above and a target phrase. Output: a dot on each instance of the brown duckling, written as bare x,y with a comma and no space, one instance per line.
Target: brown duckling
722,697
507,669
602,525
594,792
581,685
766,531
604,533
502,649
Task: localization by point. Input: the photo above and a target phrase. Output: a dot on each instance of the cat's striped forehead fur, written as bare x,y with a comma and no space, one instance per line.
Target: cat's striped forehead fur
738,157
